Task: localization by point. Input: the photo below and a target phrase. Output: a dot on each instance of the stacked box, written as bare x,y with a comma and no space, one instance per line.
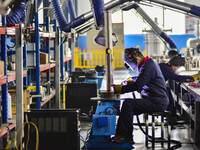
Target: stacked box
1,68
27,100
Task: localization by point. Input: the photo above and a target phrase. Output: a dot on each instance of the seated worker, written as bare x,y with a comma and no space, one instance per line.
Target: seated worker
168,70
150,81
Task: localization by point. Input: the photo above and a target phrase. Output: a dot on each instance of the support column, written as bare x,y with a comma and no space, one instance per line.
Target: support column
19,81
57,72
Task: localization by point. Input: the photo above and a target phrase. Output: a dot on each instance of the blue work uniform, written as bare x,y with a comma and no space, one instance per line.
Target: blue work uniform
150,79
170,75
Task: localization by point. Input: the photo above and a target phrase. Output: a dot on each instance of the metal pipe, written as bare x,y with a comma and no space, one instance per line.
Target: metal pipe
57,70
109,48
19,81
174,4
73,41
154,26
195,10
62,69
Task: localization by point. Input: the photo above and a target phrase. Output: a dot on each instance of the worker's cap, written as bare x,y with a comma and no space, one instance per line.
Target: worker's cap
177,61
172,53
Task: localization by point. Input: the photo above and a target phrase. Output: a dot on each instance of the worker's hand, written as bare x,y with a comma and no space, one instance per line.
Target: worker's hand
195,77
127,81
118,88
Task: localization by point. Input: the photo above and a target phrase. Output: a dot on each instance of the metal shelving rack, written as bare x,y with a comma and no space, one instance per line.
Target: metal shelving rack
22,75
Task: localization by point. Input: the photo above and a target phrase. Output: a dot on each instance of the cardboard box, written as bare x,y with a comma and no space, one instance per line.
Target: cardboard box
44,74
27,100
1,68
44,58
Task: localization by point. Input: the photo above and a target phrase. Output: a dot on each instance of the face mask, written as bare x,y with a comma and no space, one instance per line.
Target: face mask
131,62
179,70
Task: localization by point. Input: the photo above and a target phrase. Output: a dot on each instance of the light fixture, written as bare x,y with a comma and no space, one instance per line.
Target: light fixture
101,40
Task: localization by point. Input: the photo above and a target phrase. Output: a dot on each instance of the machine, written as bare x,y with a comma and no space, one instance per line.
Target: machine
104,119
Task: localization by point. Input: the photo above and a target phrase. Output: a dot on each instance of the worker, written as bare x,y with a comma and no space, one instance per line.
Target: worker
169,72
150,83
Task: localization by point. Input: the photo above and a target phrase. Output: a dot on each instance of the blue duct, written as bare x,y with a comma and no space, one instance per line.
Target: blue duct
15,15
81,19
71,10
62,20
98,11
195,10
152,24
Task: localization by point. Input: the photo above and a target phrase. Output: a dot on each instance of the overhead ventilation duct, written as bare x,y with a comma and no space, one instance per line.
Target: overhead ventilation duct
98,12
71,10
195,10
66,27
18,11
154,26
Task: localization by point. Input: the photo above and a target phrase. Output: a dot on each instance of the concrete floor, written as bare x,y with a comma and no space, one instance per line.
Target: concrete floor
181,133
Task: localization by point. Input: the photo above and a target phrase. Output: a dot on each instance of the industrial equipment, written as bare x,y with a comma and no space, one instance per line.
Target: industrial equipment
58,129
104,119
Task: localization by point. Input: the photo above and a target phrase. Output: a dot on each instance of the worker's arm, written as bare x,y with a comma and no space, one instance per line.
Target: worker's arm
143,79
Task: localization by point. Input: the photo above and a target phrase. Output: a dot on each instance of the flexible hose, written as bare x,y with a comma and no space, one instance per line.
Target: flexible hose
98,11
62,20
71,10
15,15
18,12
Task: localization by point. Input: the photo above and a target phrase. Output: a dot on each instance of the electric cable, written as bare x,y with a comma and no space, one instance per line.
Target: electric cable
21,128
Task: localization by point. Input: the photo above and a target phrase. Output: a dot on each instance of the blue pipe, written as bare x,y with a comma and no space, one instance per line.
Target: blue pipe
195,10
15,15
25,63
168,40
18,13
71,10
47,46
4,87
37,48
98,11
61,18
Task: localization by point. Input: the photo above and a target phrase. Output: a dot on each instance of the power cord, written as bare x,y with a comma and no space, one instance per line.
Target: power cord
21,128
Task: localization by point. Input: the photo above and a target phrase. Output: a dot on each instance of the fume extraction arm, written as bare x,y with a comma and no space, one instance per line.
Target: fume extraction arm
154,26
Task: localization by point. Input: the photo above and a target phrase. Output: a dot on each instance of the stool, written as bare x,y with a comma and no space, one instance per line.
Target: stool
160,139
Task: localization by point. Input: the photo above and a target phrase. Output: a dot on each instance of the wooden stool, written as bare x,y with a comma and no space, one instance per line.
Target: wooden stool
160,139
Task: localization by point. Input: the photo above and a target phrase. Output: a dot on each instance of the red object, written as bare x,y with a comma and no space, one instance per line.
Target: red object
193,84
145,59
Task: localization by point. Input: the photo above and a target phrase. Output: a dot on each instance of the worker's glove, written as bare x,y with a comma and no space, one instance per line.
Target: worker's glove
195,77
128,81
118,88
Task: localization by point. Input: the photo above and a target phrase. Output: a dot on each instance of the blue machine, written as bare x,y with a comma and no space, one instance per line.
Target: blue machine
104,122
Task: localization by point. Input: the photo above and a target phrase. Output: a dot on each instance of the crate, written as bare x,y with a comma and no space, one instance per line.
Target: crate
27,99
1,68
44,58
44,74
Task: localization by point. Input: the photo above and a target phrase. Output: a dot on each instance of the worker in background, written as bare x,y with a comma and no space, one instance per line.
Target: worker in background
169,72
150,83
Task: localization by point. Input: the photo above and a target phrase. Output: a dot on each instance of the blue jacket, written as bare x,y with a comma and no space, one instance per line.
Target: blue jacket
169,74
150,79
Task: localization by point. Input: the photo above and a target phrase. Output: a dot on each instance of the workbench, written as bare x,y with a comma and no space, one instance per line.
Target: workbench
188,98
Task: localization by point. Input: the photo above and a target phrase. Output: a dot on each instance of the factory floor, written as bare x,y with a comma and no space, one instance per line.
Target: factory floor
180,133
